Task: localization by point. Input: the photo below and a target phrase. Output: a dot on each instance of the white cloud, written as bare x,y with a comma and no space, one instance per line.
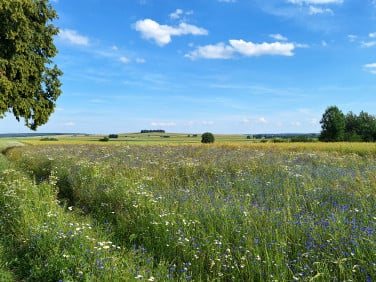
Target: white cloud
315,2
352,37
324,43
218,51
72,37
301,45
372,34
124,60
262,120
368,44
249,49
278,37
318,10
252,49
371,68
176,14
161,34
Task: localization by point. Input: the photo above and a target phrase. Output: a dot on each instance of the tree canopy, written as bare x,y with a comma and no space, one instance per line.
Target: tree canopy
207,137
29,82
350,127
332,125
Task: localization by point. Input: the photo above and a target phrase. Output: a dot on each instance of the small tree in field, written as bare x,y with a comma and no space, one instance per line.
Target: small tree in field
207,137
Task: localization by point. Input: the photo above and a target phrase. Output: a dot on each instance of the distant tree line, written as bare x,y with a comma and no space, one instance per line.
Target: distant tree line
153,131
336,126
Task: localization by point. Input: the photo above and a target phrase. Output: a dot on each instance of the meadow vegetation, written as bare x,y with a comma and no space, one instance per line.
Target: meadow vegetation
226,212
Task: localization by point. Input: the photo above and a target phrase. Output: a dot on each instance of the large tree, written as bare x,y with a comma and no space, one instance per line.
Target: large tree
29,82
332,125
367,126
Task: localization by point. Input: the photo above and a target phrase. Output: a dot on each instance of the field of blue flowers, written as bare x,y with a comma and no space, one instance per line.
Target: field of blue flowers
180,213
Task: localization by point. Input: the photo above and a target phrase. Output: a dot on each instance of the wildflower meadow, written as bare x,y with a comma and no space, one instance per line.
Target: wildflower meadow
267,212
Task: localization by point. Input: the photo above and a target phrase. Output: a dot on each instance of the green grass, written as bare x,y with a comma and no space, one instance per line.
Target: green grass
228,212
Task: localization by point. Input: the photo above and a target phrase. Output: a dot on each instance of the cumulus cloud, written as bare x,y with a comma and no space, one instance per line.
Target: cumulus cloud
248,49
370,67
124,60
162,34
318,10
72,37
278,37
218,51
316,6
372,35
176,14
252,49
368,44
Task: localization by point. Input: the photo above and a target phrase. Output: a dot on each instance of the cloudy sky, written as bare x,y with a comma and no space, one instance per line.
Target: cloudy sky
225,66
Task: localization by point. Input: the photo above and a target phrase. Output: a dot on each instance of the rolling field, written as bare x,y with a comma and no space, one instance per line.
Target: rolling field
151,210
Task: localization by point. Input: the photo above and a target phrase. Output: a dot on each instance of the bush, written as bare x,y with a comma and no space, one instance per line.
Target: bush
207,137
49,139
113,136
104,139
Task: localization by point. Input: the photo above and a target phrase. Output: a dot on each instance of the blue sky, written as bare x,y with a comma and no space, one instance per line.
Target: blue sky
225,66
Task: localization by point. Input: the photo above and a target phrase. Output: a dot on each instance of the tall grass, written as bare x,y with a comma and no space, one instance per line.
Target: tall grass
201,213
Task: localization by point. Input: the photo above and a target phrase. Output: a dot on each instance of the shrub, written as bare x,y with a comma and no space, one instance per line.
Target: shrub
49,139
113,136
104,139
207,137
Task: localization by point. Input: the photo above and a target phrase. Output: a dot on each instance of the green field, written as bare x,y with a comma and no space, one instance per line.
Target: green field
142,138
155,208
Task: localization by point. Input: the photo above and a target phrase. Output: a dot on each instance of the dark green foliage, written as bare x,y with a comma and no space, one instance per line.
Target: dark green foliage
113,136
367,126
207,137
104,139
332,125
49,139
29,83
352,127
